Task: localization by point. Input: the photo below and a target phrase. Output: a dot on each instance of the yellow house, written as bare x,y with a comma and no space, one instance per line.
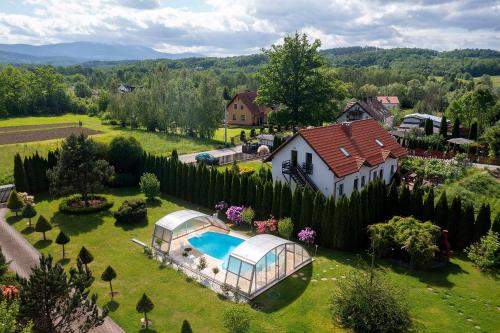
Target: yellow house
243,111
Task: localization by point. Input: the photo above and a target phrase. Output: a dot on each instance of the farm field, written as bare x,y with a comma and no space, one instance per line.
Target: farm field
153,142
455,298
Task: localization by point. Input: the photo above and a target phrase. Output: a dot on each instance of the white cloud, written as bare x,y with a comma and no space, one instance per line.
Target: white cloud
228,27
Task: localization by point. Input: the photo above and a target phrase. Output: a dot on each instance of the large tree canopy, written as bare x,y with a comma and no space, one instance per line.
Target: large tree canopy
293,81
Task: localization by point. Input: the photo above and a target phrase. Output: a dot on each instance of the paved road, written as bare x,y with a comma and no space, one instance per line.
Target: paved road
190,158
24,256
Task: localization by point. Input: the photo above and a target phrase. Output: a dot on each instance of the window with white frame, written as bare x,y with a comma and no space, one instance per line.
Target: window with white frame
341,190
242,117
235,106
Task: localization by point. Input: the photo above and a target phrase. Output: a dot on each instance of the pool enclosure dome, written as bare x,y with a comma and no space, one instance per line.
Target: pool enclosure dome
181,223
262,261
252,267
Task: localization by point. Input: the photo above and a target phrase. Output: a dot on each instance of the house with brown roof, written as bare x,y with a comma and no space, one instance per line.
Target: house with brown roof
337,159
389,102
369,107
243,111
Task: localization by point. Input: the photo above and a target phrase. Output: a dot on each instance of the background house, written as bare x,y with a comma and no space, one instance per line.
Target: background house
337,159
126,88
367,108
243,111
389,102
417,120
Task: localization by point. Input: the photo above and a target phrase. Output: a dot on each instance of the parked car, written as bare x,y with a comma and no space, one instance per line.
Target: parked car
207,159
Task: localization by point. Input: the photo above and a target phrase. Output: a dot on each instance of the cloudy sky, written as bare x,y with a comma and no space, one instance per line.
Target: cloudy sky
232,27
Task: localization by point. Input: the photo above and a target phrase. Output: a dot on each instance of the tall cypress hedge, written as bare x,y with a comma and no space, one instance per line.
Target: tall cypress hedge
285,201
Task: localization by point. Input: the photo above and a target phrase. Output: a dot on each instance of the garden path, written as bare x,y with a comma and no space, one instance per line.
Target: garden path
24,256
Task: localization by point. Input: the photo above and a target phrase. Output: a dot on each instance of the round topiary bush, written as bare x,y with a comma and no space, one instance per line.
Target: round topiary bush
76,206
131,211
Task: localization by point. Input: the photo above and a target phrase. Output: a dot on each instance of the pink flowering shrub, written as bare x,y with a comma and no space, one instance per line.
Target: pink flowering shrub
233,214
9,291
307,235
267,226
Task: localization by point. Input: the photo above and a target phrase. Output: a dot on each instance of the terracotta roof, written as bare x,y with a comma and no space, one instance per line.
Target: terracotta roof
388,99
248,98
372,106
358,138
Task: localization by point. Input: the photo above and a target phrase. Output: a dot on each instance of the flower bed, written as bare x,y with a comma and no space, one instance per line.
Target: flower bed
76,206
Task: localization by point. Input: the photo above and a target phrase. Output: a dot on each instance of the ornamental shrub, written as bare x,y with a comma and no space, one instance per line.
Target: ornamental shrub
368,303
247,215
29,212
43,225
150,185
14,203
307,235
267,226
236,319
233,214
485,254
74,204
131,211
285,227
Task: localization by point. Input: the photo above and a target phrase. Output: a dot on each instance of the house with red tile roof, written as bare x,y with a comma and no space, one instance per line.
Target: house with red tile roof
337,159
369,107
243,111
389,102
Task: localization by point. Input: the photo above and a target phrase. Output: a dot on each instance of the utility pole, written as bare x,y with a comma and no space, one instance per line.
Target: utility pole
225,123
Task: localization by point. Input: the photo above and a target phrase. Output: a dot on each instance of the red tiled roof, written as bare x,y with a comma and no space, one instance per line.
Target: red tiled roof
388,99
372,106
357,138
248,98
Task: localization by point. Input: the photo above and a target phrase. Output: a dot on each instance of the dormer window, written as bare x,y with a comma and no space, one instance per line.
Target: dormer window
377,141
346,154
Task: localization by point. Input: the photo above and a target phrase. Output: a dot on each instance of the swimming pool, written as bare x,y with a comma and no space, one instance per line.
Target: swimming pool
215,244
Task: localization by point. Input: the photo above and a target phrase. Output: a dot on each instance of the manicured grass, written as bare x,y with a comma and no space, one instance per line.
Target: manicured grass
155,143
253,164
436,297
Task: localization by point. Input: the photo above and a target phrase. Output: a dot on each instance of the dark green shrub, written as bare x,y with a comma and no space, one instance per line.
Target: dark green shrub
131,211
124,154
150,185
124,180
485,254
368,303
236,319
74,204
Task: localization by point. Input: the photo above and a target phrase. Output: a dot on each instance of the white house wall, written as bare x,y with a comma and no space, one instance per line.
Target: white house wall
322,177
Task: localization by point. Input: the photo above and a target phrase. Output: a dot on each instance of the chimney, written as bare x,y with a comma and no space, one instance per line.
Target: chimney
347,128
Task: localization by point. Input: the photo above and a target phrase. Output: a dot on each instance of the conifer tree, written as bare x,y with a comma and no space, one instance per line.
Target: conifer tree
443,128
172,176
296,206
145,305
454,220
109,275
364,215
20,175
428,210
354,227
317,213
429,127
466,229
341,220
211,188
306,208
404,202
473,131
85,257
392,200
277,200
243,189
62,239
251,188
179,189
441,217
259,196
28,212
219,187
14,203
43,225
455,133
267,199
483,222
495,226
326,235
285,201
57,301
186,327
226,196
235,189
417,205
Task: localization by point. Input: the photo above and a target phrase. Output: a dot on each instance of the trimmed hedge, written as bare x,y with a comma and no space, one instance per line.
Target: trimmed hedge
131,211
66,205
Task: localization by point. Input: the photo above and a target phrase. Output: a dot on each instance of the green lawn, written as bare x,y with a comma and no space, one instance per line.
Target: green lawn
155,143
253,164
437,298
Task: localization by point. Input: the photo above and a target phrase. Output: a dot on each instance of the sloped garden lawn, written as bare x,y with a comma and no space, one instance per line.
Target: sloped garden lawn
455,298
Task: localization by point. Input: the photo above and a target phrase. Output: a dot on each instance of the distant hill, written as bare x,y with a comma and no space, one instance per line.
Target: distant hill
79,52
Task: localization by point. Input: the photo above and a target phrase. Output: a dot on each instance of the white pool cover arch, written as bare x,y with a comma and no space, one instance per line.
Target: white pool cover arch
181,223
262,261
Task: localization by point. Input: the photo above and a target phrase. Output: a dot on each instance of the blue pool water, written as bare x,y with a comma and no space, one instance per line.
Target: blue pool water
215,244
